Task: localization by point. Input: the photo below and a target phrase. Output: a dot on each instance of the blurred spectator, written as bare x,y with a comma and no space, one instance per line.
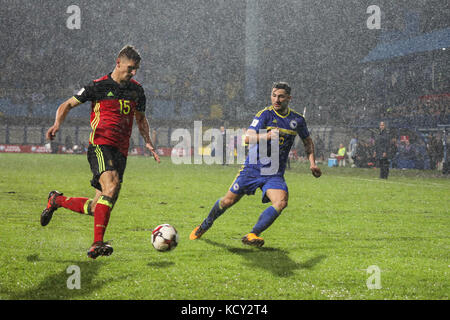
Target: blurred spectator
155,138
406,154
54,146
422,158
68,144
364,155
417,112
341,155
435,151
352,151
361,155
78,149
318,146
393,149
382,153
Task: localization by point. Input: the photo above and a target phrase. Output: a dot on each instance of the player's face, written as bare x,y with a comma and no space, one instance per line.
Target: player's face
126,69
280,100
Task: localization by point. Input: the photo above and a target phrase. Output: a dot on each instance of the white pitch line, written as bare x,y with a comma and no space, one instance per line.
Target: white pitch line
398,182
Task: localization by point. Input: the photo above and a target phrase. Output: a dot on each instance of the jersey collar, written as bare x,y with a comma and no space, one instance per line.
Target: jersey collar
287,114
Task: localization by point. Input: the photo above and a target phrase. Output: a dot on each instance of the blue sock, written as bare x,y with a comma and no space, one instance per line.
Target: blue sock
215,212
266,218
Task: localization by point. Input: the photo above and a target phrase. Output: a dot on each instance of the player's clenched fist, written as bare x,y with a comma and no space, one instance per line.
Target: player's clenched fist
316,172
273,134
51,132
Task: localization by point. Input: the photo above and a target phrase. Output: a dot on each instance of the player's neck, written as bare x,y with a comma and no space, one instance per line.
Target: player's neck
282,112
116,78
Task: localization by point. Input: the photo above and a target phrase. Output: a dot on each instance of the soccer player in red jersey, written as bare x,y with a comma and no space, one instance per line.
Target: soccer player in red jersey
116,99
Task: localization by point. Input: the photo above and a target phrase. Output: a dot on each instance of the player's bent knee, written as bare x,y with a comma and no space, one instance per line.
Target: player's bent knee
280,205
227,202
111,190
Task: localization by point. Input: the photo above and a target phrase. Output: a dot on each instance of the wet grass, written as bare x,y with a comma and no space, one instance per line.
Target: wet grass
321,246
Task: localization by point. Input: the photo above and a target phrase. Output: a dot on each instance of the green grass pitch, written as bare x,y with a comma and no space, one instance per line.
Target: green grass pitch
321,247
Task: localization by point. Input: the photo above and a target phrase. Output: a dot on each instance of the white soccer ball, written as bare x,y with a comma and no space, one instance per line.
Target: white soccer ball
164,237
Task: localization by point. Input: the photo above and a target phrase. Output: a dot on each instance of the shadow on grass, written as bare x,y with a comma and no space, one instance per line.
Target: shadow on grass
274,260
54,287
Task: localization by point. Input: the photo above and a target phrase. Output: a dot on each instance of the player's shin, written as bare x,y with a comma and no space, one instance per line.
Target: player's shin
266,218
215,212
79,205
101,217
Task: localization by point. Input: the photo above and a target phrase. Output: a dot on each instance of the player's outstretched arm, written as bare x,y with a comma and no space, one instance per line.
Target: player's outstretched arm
61,114
144,130
252,137
309,149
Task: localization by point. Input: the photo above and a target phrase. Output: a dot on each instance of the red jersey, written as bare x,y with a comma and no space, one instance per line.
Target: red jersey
112,110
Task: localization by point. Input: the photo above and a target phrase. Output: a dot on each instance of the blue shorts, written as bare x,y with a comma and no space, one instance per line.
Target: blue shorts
247,183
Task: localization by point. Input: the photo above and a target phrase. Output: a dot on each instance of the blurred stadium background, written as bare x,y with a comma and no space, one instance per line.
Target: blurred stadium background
215,61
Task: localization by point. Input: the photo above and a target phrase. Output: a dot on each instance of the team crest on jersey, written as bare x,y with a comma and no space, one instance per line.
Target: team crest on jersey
235,187
293,124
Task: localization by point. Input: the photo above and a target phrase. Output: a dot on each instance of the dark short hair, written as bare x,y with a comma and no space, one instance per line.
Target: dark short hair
131,53
282,85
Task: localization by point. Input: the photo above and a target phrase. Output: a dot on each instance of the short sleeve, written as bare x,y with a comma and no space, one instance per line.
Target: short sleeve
141,102
85,94
302,128
259,121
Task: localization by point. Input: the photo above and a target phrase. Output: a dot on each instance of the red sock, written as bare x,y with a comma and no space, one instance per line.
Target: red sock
74,204
101,217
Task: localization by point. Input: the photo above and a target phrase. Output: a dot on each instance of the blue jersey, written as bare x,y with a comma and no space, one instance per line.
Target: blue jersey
288,125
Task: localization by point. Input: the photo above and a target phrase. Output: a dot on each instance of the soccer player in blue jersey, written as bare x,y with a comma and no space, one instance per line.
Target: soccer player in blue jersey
277,123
